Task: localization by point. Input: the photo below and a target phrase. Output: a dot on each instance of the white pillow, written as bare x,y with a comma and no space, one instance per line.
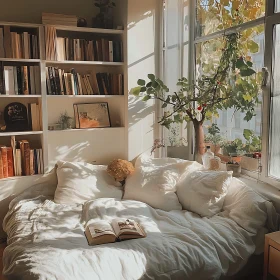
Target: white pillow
154,181
246,207
203,192
79,182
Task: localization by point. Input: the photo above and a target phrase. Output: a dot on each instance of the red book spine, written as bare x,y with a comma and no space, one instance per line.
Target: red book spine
10,159
4,161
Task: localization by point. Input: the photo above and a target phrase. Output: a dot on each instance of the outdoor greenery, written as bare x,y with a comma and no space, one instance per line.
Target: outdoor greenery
214,137
253,142
197,101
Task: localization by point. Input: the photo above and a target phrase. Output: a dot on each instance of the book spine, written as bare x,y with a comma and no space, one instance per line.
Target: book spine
1,166
26,158
100,84
35,160
2,49
7,42
29,117
57,81
18,163
51,78
10,160
75,81
25,80
4,161
9,80
15,80
31,164
2,84
19,80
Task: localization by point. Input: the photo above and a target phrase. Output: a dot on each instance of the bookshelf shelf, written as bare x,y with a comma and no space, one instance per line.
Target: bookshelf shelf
87,29
73,62
85,129
20,96
19,133
22,60
20,177
85,96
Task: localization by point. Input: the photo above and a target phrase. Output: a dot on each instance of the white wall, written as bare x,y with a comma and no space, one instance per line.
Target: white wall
142,58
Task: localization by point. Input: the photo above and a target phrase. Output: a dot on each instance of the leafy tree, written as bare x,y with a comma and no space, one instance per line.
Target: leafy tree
197,101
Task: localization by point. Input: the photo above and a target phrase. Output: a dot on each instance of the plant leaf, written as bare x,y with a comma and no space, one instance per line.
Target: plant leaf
135,91
152,77
141,82
146,98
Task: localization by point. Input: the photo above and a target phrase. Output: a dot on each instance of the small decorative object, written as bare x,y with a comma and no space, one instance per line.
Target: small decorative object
207,157
120,169
104,18
157,144
92,115
55,126
64,121
15,117
235,167
215,163
82,22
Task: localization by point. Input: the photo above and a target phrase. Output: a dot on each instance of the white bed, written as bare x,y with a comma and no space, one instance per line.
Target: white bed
46,241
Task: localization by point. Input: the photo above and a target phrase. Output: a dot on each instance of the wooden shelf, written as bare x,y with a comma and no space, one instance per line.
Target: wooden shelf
23,60
87,29
20,133
73,62
20,177
85,96
20,24
84,129
20,96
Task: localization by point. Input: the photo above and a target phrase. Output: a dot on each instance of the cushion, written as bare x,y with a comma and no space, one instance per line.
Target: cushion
154,181
79,182
203,192
246,207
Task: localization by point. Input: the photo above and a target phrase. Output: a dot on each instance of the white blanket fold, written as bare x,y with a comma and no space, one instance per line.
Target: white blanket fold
46,241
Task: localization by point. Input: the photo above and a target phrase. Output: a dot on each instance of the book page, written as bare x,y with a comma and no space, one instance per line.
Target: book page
126,227
100,228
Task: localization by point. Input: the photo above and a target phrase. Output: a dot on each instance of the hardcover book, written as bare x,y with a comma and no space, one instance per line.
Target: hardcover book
118,230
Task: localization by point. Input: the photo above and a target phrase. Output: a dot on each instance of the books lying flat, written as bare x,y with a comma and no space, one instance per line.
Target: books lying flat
20,159
18,44
120,229
20,80
59,19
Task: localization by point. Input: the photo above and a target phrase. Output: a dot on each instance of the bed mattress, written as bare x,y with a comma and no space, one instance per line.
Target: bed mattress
46,241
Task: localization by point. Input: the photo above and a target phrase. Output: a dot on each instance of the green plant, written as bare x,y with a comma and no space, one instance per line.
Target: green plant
197,101
64,120
214,136
231,148
253,142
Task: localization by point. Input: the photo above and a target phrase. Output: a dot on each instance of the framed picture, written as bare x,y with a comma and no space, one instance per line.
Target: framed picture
92,115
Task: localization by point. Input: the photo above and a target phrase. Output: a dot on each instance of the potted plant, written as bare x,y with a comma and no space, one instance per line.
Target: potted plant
177,145
64,121
104,18
214,139
232,150
198,101
235,167
252,148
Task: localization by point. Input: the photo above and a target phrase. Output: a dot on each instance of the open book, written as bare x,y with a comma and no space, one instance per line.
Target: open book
120,229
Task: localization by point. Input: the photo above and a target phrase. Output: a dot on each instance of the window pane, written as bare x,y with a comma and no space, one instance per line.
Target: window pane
215,15
277,6
231,122
274,163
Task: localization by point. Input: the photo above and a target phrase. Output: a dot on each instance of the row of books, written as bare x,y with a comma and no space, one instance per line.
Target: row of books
60,82
18,44
20,80
101,49
20,159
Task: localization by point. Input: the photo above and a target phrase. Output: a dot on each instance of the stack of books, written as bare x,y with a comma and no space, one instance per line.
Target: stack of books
20,159
101,49
60,82
20,80
18,44
59,19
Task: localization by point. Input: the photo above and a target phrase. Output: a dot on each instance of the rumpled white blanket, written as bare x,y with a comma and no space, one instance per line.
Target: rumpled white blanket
46,241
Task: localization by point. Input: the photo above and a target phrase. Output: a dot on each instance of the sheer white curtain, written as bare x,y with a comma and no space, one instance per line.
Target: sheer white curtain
175,52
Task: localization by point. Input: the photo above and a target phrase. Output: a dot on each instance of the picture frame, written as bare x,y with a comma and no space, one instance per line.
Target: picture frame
92,115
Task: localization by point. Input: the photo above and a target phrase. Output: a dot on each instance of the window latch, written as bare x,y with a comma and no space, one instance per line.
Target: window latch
265,76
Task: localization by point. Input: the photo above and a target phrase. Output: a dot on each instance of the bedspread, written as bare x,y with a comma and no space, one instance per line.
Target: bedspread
46,241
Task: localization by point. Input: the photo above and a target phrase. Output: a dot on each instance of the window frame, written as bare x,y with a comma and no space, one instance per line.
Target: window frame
269,20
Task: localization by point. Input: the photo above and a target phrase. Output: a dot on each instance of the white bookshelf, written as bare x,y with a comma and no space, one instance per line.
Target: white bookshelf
98,145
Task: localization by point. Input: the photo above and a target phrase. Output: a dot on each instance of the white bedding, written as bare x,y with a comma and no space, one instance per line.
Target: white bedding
46,241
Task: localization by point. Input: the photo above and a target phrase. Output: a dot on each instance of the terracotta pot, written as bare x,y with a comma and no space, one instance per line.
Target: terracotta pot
229,158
